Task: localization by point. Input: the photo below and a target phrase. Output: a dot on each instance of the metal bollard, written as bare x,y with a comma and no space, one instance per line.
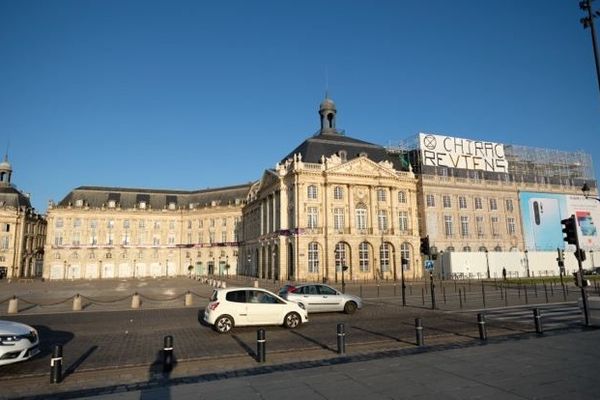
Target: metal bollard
419,331
482,328
56,364
77,302
13,305
188,299
341,339
538,321
261,343
168,354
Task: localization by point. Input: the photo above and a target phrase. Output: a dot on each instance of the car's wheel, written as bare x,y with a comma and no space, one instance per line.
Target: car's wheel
350,307
223,324
292,320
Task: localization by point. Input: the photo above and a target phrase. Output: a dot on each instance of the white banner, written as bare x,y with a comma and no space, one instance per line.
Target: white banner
452,152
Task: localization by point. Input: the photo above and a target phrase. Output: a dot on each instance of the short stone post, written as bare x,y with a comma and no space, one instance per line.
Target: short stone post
135,300
13,305
256,283
188,299
77,302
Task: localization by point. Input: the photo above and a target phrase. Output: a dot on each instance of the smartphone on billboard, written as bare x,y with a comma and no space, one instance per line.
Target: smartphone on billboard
545,223
588,233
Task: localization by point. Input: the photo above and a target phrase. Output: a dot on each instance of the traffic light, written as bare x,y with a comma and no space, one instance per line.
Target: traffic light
580,281
570,230
425,245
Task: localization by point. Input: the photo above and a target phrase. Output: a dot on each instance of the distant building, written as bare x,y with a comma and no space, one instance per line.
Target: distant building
22,231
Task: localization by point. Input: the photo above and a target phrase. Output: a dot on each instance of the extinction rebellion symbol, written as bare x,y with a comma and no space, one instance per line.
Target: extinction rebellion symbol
429,142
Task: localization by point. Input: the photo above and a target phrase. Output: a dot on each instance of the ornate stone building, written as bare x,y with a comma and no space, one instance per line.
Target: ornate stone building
333,201
22,230
100,232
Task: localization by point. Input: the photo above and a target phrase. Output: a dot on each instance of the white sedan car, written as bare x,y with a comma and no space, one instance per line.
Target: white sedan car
18,342
251,306
316,297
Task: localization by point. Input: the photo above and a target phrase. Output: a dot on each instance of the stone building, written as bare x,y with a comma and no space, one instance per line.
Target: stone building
22,230
101,232
332,202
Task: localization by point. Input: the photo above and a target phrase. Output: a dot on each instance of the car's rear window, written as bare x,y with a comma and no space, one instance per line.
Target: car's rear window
236,296
213,296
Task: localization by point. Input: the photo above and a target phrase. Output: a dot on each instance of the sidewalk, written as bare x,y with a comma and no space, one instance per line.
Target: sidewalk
561,366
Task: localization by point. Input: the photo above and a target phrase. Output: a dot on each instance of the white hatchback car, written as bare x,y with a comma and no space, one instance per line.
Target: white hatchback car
251,306
18,342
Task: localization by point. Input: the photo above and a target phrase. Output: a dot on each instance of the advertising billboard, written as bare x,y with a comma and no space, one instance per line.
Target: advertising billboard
453,152
541,214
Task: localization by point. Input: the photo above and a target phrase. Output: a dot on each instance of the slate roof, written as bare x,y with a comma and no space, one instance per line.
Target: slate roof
12,197
97,196
328,144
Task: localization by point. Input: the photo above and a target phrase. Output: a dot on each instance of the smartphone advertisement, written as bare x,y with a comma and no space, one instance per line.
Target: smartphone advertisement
541,215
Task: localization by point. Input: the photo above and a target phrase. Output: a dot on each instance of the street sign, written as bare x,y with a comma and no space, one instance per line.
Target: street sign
429,265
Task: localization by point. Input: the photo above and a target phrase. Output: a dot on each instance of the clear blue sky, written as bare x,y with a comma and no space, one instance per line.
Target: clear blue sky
196,94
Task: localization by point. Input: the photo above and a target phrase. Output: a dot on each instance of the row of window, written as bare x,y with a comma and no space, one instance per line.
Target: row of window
140,255
156,224
479,226
339,221
462,203
338,194
142,238
365,258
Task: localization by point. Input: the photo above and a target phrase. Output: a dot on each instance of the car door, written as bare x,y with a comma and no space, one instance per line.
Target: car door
309,296
330,299
236,306
264,308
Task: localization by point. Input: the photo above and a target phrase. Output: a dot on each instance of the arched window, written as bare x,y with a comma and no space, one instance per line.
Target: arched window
313,257
361,216
498,248
338,193
340,256
384,257
402,196
482,248
450,249
405,253
467,249
312,192
363,256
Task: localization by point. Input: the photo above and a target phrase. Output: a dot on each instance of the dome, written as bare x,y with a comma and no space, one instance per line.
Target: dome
5,165
327,104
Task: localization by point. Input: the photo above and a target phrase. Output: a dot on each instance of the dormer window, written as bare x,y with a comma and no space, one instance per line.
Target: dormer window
79,203
143,205
343,155
362,154
112,204
171,206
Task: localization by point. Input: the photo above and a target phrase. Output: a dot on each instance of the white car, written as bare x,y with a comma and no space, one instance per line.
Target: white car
18,342
316,297
251,306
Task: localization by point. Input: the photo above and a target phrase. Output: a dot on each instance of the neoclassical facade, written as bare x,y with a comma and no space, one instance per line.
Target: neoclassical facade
332,202
22,231
103,233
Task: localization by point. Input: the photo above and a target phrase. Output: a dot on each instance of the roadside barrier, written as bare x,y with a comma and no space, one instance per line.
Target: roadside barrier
77,302
482,327
56,364
341,339
13,305
261,344
168,353
135,300
419,331
537,317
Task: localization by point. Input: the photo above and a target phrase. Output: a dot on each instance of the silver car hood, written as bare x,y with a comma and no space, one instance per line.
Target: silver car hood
14,328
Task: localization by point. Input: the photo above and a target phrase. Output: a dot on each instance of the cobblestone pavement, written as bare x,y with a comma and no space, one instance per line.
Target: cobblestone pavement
109,344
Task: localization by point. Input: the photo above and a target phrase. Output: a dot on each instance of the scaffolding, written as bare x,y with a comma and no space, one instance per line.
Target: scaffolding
525,164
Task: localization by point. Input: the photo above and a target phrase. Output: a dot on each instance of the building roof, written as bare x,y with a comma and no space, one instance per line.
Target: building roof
97,196
12,197
327,144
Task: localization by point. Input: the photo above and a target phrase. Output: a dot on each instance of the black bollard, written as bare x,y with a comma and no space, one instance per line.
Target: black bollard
261,343
168,354
460,298
56,364
538,321
341,339
419,331
482,328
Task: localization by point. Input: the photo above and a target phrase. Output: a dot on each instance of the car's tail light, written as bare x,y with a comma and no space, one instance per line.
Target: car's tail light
212,306
292,290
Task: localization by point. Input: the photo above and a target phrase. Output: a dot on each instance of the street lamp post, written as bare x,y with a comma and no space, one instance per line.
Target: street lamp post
487,262
527,262
586,5
404,264
442,262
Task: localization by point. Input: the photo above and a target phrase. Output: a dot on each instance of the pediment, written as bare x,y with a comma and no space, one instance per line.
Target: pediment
364,166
